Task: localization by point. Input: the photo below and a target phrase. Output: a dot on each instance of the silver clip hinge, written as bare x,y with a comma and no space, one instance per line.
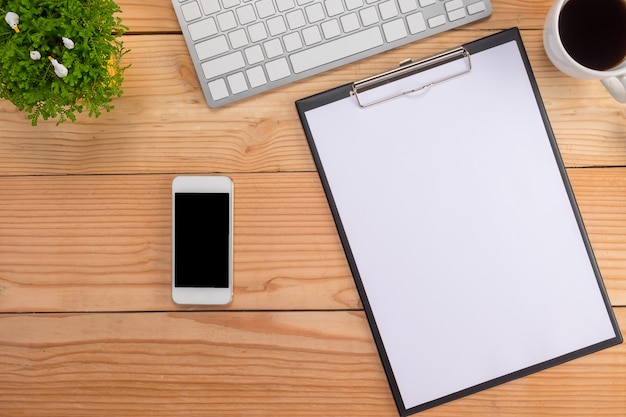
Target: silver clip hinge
407,68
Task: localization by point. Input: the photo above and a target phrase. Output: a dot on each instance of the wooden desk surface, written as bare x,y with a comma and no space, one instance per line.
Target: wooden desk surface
87,326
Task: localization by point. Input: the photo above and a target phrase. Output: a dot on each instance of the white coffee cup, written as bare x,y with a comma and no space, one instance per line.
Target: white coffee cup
614,79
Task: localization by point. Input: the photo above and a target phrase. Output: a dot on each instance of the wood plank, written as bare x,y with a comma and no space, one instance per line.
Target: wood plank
154,16
264,364
92,252
158,15
162,123
601,197
102,243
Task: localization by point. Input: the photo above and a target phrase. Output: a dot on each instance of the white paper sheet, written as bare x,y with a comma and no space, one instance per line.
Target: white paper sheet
461,227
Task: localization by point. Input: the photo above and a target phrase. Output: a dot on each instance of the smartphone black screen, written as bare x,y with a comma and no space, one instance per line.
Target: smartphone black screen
201,240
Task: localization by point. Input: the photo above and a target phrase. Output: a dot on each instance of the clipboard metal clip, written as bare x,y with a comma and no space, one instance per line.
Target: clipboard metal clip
408,68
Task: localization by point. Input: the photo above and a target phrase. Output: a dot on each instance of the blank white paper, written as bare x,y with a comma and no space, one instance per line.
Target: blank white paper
461,228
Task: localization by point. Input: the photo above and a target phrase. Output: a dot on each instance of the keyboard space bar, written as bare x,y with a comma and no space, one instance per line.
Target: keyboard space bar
336,49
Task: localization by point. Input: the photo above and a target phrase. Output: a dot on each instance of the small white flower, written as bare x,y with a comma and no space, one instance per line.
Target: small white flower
12,20
59,69
35,55
68,43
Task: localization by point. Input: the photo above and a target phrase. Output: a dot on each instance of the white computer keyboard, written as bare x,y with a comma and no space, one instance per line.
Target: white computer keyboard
244,47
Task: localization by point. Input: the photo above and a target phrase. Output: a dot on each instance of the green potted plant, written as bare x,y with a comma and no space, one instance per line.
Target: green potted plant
60,57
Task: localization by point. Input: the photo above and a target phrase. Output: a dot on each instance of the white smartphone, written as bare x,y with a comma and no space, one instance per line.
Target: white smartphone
202,240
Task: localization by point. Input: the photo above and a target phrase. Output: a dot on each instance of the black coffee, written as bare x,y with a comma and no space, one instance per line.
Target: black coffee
593,32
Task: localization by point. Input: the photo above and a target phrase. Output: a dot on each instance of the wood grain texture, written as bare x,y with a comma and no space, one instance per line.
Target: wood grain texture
162,123
102,243
87,326
158,16
262,364
601,197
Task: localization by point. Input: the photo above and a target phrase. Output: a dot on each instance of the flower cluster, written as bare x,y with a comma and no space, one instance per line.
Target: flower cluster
81,40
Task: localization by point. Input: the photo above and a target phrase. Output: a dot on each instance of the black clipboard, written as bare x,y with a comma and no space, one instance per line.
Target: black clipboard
459,222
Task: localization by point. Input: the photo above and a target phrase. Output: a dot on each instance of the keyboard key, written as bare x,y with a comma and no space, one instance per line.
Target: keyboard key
456,14
218,89
203,29
407,5
426,3
265,8
257,32
295,19
350,22
230,3
292,41
284,5
369,16
453,5
237,83
226,21
311,35
223,65
336,49
210,6
388,9
331,29
315,12
273,48
238,38
191,11
416,22
333,7
394,30
254,54
211,47
276,25
354,4
246,14
476,7
433,22
256,76
277,69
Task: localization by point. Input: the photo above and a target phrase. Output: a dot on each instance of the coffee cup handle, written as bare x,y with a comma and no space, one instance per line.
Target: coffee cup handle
617,87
